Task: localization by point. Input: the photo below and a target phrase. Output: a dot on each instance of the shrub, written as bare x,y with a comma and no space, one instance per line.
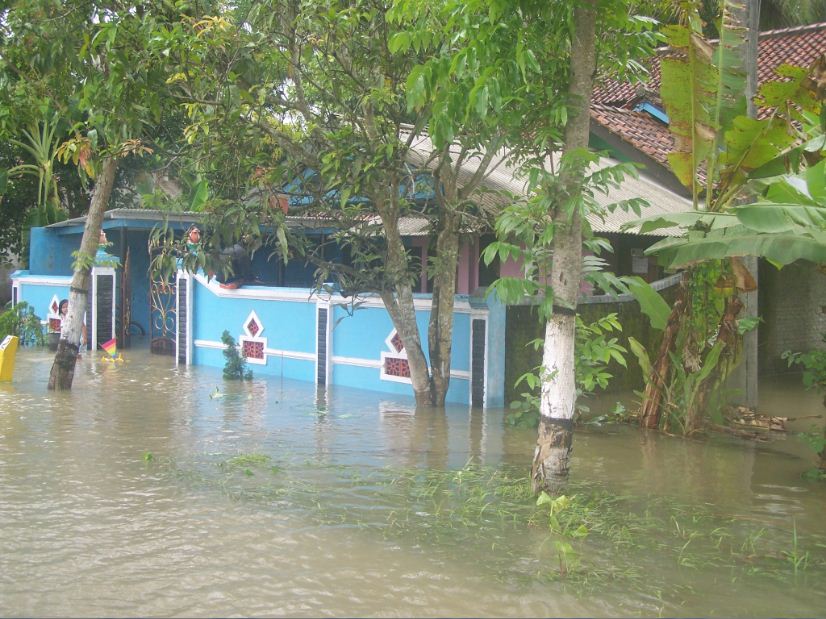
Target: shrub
235,367
21,321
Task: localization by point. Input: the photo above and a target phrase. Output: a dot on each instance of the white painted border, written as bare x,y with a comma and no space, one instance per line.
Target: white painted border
479,315
374,364
102,272
327,342
183,276
190,305
178,279
253,316
310,296
354,361
50,313
395,379
42,280
286,354
92,338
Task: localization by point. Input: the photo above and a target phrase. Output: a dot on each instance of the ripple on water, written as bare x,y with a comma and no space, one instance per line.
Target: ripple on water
139,494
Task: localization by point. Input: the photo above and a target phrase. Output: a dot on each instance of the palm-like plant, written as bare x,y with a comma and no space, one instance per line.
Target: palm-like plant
41,144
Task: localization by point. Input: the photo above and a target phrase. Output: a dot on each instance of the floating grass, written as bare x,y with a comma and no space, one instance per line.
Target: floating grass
489,512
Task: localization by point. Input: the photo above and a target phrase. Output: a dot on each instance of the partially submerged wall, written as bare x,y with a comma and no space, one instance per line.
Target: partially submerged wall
328,339
523,326
793,308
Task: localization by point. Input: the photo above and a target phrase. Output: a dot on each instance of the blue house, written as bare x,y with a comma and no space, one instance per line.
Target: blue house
285,329
283,325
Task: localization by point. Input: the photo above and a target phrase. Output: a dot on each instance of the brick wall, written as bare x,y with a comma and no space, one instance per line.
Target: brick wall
793,308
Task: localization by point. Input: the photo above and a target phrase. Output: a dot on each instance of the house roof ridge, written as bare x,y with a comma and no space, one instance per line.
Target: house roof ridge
793,29
774,32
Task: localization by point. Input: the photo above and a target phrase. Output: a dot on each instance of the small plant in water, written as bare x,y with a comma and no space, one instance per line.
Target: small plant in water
565,522
561,519
235,367
798,559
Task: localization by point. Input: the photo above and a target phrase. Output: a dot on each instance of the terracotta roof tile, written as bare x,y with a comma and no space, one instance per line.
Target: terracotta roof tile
799,46
638,129
613,101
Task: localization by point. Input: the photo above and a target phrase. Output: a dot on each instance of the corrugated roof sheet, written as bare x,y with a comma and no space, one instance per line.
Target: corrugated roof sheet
133,214
503,180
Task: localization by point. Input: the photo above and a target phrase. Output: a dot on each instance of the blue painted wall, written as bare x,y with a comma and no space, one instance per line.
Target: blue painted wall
139,270
39,296
290,326
51,253
287,326
495,352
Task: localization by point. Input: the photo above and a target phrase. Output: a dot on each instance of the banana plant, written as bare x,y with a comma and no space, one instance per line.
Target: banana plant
787,222
725,158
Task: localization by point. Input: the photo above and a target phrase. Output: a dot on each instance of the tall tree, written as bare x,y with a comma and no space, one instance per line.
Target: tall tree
526,68
86,61
330,91
553,448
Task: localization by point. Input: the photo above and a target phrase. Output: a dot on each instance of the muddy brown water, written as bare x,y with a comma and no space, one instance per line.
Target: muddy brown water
144,492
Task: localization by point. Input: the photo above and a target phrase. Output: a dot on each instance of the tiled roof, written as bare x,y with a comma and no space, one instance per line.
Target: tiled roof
613,101
639,129
799,46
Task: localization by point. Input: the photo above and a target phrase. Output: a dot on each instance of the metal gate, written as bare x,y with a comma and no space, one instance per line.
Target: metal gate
162,321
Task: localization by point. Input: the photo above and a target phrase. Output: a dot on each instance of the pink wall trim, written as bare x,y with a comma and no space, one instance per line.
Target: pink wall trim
467,270
421,243
511,268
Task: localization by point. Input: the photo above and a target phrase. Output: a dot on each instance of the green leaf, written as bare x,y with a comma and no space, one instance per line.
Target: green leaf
200,194
752,143
781,248
399,42
4,179
710,362
778,218
816,182
642,356
651,302
282,243
789,190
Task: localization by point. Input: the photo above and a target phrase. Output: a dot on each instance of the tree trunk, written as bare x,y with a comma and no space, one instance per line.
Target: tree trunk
558,397
822,454
652,398
399,304
63,368
728,334
440,330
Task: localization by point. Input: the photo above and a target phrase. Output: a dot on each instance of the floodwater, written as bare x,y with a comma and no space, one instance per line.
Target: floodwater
146,492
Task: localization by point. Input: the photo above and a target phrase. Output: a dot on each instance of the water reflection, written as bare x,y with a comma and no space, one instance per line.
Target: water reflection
119,498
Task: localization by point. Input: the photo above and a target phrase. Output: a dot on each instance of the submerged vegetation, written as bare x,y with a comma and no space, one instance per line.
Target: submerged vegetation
597,345
235,366
574,539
